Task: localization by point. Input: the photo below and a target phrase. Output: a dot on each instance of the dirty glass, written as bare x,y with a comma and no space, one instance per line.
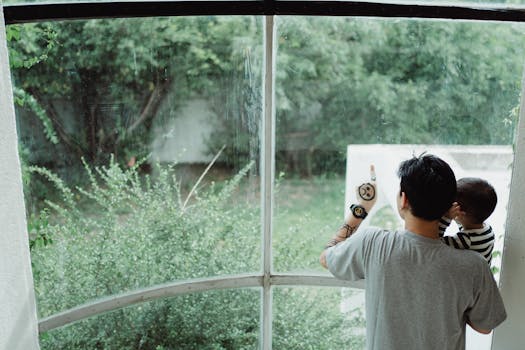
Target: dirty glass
351,92
139,142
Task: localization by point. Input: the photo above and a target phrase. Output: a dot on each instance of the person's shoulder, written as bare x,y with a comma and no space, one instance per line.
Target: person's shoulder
467,259
376,231
376,234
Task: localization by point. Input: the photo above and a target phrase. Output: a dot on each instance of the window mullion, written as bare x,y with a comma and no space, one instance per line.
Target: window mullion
267,176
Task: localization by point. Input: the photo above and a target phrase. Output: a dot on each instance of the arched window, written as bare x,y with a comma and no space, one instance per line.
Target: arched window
185,162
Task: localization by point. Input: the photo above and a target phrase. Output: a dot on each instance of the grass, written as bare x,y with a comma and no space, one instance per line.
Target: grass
307,212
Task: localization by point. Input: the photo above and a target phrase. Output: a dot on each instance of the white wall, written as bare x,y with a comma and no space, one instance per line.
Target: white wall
18,321
511,334
184,139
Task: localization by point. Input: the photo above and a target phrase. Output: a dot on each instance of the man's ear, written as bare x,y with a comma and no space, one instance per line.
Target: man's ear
404,200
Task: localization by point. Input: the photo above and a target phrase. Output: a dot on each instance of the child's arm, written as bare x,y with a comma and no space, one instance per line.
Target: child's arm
482,241
446,219
444,222
461,240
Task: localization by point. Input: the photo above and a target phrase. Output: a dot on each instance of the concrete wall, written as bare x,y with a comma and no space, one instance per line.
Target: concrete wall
183,139
511,334
18,321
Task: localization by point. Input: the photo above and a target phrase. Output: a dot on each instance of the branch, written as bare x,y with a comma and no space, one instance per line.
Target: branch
150,108
202,176
53,116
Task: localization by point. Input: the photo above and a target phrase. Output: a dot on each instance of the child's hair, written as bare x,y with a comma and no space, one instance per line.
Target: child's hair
476,197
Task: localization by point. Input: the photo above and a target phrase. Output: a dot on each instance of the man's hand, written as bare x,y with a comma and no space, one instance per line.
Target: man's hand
367,192
367,196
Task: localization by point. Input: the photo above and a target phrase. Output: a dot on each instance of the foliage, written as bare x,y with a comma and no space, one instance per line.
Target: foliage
339,81
28,47
124,232
347,81
121,77
297,327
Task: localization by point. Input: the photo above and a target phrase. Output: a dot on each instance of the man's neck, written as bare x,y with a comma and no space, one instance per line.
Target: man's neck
425,228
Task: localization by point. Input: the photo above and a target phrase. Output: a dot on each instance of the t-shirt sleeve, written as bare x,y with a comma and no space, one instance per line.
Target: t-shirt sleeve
347,260
487,311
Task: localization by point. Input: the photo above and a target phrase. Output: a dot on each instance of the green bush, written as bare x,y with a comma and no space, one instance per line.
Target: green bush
125,231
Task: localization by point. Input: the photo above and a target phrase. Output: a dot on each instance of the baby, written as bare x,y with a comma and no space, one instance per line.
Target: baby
475,201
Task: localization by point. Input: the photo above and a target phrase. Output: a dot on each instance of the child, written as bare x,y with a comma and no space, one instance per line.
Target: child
475,201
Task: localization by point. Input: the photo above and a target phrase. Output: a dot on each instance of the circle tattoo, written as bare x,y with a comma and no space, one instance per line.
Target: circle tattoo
367,191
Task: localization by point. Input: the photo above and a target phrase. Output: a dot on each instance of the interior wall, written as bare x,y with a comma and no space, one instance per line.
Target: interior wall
18,320
511,334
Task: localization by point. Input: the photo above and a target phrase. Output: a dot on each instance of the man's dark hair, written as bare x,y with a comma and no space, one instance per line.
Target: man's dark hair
429,184
476,197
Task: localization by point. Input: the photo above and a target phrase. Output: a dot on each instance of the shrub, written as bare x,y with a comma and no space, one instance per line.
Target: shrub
125,231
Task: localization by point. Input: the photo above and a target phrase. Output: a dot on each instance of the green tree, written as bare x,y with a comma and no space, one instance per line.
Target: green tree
339,81
117,73
30,46
345,81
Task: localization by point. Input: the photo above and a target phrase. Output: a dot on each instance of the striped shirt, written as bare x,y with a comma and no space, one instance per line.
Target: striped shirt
480,240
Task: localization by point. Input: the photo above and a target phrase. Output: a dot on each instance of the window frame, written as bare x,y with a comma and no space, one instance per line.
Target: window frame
37,12
512,278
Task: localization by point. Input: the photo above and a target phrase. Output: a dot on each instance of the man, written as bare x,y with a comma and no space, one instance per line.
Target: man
420,293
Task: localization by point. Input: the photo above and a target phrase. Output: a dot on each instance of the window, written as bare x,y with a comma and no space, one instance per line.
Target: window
448,88
193,321
156,169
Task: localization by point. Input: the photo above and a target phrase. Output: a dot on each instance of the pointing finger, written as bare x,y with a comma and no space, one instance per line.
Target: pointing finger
372,173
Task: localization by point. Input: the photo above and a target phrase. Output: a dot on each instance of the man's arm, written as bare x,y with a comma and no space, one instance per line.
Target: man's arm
487,310
350,226
367,196
483,331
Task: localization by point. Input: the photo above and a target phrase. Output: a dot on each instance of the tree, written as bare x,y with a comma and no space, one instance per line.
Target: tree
347,81
119,72
339,81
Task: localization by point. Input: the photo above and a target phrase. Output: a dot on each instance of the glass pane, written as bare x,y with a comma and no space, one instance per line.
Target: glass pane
428,85
491,163
140,149
212,320
318,318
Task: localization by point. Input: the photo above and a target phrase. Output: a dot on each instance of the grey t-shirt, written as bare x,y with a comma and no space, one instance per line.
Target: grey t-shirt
419,292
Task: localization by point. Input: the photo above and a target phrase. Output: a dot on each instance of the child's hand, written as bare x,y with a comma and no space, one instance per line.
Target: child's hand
454,211
367,192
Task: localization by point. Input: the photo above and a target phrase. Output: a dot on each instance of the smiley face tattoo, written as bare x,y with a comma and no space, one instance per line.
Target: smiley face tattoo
367,191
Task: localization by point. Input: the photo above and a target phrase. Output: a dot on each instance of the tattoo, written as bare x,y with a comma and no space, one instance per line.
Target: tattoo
331,243
338,239
349,230
367,191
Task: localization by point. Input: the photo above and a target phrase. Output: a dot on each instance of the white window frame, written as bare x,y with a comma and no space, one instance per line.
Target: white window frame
510,335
